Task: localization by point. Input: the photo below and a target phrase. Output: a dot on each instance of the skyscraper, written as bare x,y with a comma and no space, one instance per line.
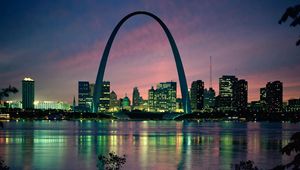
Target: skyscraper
83,94
209,98
226,90
163,98
135,98
27,93
197,90
241,95
274,95
104,97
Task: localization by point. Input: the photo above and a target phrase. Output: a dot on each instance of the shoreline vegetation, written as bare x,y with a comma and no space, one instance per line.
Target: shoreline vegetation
16,114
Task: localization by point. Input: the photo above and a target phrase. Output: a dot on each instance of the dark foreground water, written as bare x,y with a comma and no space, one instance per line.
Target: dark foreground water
147,144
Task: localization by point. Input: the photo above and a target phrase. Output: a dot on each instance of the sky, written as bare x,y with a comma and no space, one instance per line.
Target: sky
58,43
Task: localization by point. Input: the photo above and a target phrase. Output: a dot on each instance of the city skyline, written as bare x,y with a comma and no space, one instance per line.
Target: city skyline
78,46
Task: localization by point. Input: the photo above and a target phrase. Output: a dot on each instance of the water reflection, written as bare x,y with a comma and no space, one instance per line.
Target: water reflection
147,144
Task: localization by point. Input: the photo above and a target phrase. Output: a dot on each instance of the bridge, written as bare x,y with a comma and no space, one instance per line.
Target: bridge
179,66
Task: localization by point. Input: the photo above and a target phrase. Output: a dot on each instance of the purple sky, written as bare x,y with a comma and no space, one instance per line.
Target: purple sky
58,43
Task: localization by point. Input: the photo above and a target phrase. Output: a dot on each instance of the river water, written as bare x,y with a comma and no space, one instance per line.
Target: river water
146,144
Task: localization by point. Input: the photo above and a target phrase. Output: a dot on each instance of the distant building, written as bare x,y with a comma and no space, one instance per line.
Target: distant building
151,99
294,105
263,99
197,90
226,92
125,103
56,105
104,97
27,93
135,98
163,99
263,95
14,104
241,95
274,95
179,105
209,98
89,99
83,94
113,103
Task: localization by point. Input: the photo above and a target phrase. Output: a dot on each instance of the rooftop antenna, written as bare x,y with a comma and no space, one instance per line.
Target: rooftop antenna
210,72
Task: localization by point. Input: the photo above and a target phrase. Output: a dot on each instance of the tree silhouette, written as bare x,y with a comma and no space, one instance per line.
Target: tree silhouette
5,92
294,13
293,146
3,166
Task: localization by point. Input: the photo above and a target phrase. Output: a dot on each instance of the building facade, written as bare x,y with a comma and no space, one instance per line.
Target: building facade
209,98
104,97
226,92
196,93
241,95
274,93
28,93
163,98
135,98
83,95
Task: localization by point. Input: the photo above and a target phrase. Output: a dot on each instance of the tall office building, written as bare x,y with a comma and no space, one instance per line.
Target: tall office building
241,95
104,96
83,94
274,95
226,92
209,98
197,90
163,98
135,98
27,93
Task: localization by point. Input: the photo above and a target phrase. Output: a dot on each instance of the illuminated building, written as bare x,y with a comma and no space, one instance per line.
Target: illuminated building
241,95
46,105
274,96
209,98
104,97
294,105
163,98
113,103
151,99
83,94
27,93
197,90
226,90
125,103
135,98
14,104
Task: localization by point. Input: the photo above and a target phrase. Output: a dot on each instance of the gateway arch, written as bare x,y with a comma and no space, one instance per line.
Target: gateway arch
179,66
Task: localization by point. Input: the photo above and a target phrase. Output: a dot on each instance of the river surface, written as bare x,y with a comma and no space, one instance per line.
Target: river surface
155,145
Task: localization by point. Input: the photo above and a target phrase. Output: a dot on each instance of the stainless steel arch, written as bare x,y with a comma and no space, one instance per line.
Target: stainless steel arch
179,66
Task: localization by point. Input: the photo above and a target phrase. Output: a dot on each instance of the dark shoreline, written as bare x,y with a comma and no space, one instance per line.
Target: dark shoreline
16,114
